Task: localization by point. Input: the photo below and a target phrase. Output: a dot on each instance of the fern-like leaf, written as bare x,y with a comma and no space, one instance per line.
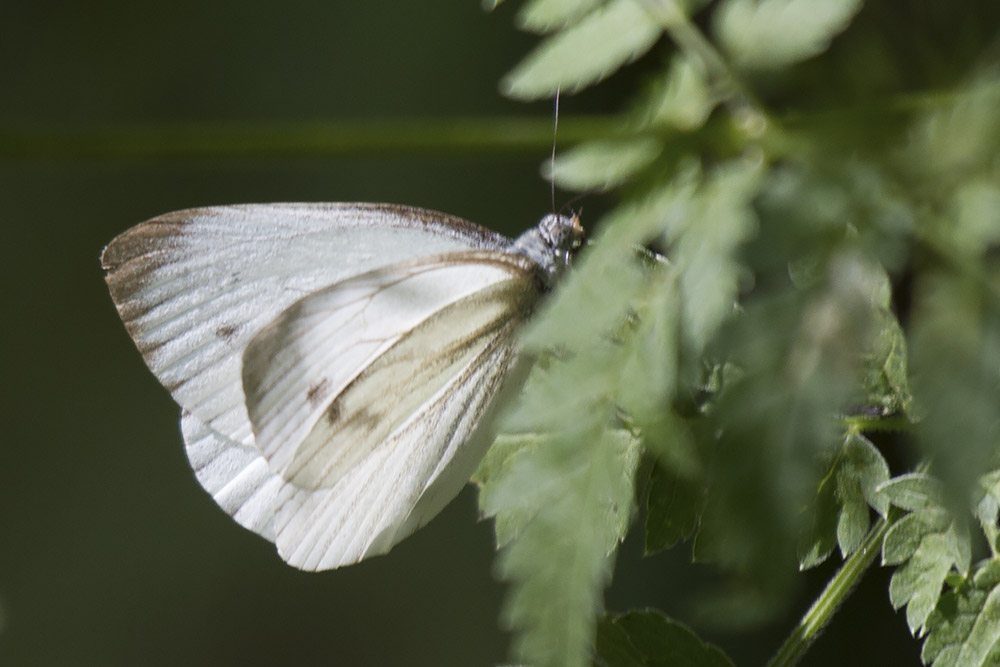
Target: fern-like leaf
567,503
586,52
683,99
761,34
925,545
841,509
548,15
600,165
964,629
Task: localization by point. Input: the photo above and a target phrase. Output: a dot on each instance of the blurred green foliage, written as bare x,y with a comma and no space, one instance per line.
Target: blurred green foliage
826,214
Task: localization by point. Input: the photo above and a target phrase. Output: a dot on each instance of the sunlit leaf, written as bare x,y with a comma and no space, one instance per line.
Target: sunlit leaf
927,544
683,98
549,15
602,164
586,52
607,277
918,583
651,365
964,629
959,138
912,492
507,449
720,219
760,34
988,508
577,491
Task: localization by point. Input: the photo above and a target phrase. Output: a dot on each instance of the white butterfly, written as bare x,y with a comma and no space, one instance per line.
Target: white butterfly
332,361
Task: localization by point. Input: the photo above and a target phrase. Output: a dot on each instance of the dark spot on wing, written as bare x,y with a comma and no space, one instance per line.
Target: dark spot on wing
333,412
317,393
227,332
362,419
366,419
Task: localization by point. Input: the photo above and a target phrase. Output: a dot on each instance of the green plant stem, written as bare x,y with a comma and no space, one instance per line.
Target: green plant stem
443,136
825,606
699,49
862,423
300,139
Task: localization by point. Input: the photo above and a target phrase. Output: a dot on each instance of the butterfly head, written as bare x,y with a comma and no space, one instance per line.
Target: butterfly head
551,244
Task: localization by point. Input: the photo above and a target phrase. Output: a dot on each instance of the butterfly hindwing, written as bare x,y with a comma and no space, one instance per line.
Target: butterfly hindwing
389,443
397,487
339,371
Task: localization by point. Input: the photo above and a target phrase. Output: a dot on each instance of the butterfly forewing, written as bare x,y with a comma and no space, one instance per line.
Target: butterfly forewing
238,478
193,287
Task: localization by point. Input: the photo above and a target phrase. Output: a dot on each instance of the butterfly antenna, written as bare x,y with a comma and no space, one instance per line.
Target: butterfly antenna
552,160
586,193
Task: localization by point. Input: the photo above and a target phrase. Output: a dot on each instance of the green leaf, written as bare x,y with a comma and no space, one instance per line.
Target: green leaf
799,354
649,371
964,629
613,647
683,99
859,477
506,451
566,504
843,501
820,539
928,543
673,506
647,638
602,165
563,505
768,34
905,536
720,219
607,279
549,15
914,491
886,384
960,140
885,380
586,52
602,285
976,213
988,509
865,471
955,352
918,583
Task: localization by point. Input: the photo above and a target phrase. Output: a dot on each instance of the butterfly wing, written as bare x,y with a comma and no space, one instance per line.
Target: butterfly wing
235,474
365,397
193,287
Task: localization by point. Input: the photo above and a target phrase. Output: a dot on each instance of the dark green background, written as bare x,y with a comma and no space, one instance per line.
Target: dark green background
110,552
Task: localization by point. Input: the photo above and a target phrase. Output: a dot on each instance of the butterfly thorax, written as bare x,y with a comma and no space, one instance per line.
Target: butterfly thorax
551,245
